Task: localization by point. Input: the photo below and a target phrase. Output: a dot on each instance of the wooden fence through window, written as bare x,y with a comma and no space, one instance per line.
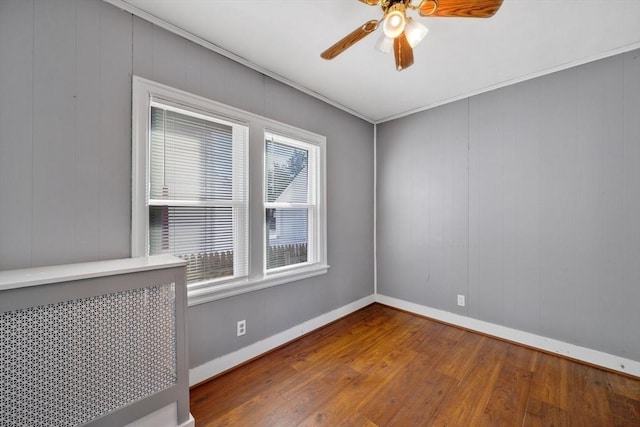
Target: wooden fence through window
212,265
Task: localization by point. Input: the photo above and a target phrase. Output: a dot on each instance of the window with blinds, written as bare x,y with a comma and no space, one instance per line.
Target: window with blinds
197,196
191,195
291,167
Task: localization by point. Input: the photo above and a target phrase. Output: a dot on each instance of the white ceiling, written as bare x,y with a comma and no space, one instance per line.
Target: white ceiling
459,57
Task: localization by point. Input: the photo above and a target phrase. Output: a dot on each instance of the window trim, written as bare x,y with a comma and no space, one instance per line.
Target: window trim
240,244
314,245
143,91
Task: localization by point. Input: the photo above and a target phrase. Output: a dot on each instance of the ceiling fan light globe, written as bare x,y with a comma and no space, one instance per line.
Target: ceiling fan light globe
415,32
384,44
394,24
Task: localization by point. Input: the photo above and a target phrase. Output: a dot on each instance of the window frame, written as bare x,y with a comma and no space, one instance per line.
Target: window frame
239,199
312,208
143,92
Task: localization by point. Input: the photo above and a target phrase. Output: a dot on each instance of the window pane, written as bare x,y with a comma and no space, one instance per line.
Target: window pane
287,173
287,237
191,158
201,236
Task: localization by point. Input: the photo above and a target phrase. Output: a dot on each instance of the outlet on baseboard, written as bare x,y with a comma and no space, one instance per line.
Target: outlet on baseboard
242,327
461,300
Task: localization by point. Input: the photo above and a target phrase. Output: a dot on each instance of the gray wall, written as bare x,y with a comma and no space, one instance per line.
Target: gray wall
525,199
65,156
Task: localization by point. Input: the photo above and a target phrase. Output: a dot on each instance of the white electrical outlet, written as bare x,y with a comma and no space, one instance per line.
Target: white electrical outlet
242,327
461,300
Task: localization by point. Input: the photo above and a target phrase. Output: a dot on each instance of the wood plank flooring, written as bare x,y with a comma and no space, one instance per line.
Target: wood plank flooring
383,367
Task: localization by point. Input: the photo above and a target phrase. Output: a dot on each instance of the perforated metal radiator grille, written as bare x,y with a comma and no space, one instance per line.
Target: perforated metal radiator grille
68,363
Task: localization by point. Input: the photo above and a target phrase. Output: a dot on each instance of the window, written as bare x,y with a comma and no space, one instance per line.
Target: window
197,192
194,196
290,202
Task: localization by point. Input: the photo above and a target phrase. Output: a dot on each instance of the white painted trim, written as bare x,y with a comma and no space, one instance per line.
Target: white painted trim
207,293
179,31
191,422
163,417
22,278
583,354
510,82
228,361
375,209
121,4
587,355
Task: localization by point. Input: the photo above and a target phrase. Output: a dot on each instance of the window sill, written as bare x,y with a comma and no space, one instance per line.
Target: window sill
207,293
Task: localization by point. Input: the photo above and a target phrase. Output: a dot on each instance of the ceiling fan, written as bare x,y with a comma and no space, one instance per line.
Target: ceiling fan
401,33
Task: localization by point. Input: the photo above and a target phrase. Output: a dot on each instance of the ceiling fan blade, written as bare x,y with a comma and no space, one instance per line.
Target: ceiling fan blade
350,39
460,8
403,52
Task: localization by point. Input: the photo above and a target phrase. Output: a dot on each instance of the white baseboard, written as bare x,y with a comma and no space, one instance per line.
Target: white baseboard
163,417
228,361
587,355
191,422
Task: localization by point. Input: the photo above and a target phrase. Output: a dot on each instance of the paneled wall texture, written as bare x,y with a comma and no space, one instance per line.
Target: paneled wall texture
65,156
525,199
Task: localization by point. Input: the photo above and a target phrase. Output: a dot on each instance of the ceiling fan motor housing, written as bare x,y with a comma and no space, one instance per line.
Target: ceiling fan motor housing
390,5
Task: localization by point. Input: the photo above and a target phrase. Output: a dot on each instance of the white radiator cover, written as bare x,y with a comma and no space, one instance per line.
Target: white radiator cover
94,343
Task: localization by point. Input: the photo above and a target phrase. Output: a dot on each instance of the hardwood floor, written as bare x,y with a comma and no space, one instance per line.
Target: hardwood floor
384,367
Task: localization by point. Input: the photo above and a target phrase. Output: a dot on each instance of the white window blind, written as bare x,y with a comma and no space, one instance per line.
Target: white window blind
197,194
291,201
